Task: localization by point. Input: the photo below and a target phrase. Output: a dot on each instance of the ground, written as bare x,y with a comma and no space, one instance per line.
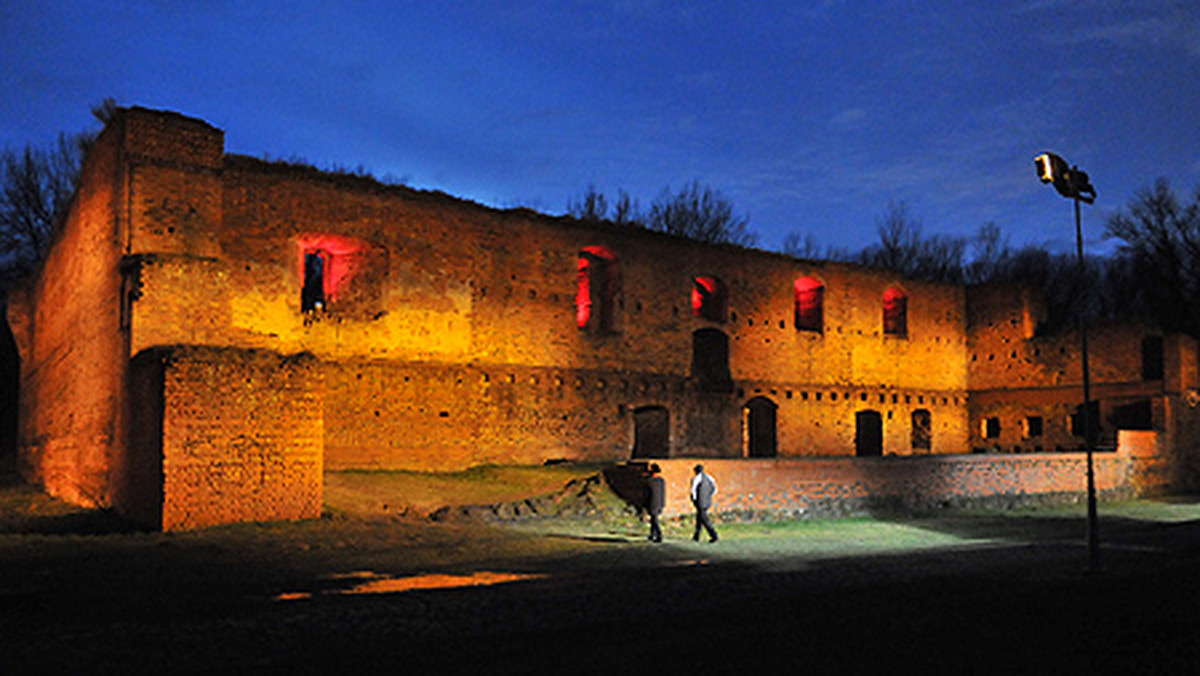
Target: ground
401,576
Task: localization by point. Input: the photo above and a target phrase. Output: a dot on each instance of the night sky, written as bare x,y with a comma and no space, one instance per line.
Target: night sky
810,117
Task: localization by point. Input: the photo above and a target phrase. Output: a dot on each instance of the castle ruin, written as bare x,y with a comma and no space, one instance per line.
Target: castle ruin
210,332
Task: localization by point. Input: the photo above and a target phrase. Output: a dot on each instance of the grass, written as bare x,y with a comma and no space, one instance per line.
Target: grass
379,519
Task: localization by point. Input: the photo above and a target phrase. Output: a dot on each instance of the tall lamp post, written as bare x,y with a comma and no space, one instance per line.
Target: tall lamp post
1073,184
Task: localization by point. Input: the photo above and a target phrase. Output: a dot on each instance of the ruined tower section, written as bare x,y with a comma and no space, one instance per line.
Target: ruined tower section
1027,384
66,321
119,408
237,431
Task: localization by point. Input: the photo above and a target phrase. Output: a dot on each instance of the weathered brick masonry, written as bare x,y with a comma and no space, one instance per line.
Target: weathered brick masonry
209,332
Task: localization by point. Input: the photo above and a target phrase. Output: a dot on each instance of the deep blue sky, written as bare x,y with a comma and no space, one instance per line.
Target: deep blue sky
811,117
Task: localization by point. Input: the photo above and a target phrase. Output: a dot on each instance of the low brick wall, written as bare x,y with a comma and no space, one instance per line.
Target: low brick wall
842,486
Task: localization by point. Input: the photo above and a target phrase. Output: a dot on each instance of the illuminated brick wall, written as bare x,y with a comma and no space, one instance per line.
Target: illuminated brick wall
440,334
66,323
242,437
1018,373
839,486
445,287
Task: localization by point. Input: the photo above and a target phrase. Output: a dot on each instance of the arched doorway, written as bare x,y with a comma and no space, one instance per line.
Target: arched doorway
760,423
710,361
651,432
868,434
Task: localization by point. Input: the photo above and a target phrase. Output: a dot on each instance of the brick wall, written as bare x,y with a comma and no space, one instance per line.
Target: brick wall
459,287
840,486
242,437
66,325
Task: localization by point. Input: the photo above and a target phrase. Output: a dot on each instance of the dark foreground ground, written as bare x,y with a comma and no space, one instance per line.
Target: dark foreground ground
78,595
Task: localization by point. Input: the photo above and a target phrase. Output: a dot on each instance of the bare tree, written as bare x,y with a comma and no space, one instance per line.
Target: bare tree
593,206
1160,238
36,187
697,212
989,252
902,249
700,213
798,246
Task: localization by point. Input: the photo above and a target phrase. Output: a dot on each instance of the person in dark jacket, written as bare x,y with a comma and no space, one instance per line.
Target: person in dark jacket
704,487
656,499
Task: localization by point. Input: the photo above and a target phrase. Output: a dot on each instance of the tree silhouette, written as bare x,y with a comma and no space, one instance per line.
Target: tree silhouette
1160,238
697,212
36,188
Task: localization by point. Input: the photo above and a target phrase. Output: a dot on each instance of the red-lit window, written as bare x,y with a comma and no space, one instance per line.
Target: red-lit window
895,313
342,272
709,299
596,294
810,305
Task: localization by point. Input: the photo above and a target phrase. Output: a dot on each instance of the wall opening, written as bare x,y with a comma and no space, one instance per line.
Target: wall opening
1034,426
759,419
596,291
991,428
1152,358
895,313
1093,418
922,430
312,294
710,361
1136,415
342,273
710,299
809,305
868,434
651,432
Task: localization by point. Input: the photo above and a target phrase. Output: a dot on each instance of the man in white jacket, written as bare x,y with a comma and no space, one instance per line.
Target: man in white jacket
704,487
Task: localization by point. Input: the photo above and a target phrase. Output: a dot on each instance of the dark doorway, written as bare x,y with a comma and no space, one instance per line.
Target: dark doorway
1137,415
651,432
1093,421
710,361
10,379
312,295
922,430
868,434
761,440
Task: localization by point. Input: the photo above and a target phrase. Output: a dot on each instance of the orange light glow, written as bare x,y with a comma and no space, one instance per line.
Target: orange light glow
395,585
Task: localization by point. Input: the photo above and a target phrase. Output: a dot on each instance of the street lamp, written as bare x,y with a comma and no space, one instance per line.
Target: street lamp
1073,184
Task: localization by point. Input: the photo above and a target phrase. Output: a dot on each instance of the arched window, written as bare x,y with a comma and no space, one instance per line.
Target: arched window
895,313
922,430
710,300
596,294
810,305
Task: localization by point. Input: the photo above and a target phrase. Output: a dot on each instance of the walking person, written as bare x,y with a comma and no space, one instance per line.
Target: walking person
656,499
704,487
